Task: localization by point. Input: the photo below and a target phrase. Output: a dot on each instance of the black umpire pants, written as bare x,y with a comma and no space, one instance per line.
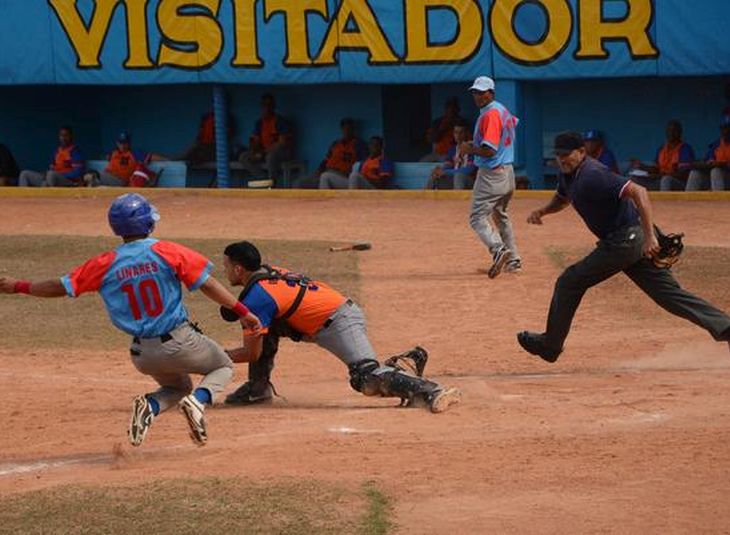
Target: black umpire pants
622,251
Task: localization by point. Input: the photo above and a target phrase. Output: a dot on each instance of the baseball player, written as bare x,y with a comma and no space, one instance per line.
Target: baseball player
140,284
494,152
294,306
619,213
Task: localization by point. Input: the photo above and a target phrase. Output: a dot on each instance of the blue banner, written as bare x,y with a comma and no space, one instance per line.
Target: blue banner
366,41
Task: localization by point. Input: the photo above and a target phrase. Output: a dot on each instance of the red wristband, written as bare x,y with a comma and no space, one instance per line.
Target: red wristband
22,287
241,309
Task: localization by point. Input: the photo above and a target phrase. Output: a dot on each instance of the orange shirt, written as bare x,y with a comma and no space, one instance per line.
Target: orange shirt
270,299
445,142
671,158
63,159
206,134
122,164
722,152
343,154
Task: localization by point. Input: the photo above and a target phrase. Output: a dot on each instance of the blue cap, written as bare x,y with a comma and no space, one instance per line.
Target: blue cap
725,121
132,215
124,137
590,135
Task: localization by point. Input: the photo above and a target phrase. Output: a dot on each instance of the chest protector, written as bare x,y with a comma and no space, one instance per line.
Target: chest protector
268,273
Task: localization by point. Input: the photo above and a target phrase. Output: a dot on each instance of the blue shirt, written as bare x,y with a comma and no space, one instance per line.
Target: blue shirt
140,283
595,193
495,129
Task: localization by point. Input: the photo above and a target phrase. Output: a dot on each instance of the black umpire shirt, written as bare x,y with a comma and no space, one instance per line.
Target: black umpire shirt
595,193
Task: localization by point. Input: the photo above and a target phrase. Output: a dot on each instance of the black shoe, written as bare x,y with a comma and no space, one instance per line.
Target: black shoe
535,343
500,258
247,395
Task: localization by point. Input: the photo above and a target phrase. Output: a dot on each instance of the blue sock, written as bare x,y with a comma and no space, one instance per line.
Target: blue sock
203,395
154,404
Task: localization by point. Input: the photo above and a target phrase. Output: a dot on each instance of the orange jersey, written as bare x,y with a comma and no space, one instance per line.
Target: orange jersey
271,299
124,164
206,134
446,141
670,159
722,152
344,153
269,130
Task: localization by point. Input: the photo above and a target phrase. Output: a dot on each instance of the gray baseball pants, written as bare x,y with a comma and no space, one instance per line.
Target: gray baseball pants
49,178
493,190
346,335
171,362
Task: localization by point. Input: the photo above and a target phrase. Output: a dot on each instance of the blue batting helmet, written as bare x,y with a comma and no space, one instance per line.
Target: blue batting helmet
132,215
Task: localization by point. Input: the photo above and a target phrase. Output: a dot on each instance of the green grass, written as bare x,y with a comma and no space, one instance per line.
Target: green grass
377,519
82,323
196,507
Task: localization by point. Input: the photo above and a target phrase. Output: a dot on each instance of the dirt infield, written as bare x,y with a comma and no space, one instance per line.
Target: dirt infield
627,433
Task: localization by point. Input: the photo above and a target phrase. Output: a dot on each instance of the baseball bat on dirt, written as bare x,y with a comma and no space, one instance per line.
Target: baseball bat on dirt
360,246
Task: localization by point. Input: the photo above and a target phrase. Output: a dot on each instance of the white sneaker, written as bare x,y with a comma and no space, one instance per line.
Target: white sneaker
142,416
194,412
444,399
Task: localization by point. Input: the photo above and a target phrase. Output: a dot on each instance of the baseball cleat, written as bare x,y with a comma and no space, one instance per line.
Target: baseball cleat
513,266
444,398
142,416
500,258
246,395
535,343
194,412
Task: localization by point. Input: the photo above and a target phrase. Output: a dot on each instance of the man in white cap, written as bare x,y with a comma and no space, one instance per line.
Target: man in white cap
494,150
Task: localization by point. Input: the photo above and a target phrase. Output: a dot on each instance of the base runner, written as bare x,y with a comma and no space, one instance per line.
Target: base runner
140,283
294,306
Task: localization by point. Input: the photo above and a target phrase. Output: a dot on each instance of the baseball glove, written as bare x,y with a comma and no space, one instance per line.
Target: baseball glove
670,247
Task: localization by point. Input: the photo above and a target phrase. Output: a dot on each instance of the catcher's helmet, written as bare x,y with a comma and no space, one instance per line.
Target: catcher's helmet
132,215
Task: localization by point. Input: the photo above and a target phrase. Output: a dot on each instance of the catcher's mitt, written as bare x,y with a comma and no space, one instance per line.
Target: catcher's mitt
413,361
670,247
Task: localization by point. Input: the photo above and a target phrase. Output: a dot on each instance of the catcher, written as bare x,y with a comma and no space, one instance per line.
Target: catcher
294,306
619,213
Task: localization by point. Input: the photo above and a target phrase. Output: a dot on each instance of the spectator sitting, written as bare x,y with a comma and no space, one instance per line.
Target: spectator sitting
458,171
8,167
672,165
271,143
342,155
123,163
441,133
714,172
376,171
67,165
203,148
596,148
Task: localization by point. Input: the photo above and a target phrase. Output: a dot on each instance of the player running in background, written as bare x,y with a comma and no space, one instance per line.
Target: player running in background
302,309
140,283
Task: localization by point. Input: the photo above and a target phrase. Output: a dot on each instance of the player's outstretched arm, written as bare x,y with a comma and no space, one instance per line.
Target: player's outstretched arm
556,204
215,291
48,288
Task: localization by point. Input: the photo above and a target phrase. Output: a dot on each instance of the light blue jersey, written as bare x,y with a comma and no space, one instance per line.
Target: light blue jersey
141,284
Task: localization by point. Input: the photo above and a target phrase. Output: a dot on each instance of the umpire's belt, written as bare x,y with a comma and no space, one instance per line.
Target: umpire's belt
329,320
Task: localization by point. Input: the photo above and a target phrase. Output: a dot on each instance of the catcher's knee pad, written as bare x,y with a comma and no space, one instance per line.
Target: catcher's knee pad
361,376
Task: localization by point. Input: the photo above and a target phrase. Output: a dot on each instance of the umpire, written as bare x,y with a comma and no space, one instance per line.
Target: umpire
619,213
